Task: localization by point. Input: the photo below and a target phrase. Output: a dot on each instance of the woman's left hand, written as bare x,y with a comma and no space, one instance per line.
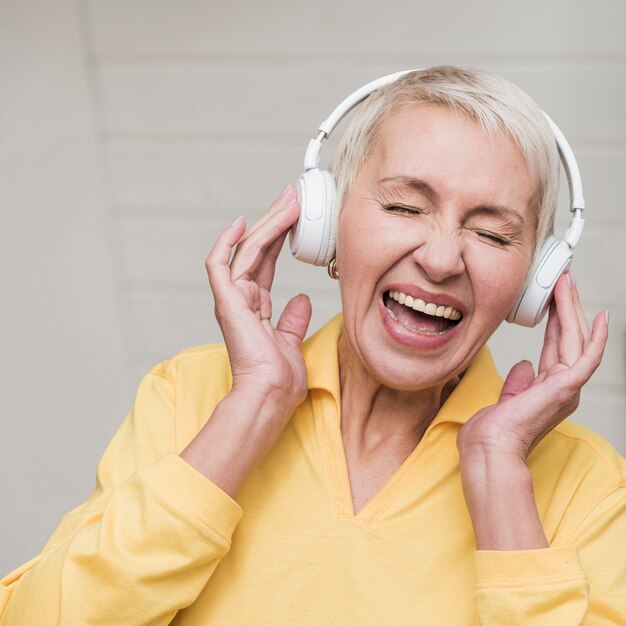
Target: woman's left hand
530,405
495,442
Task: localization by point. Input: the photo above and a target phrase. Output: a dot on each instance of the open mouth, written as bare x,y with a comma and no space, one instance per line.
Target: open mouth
418,316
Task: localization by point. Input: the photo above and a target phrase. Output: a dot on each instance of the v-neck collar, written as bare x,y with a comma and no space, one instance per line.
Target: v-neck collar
479,387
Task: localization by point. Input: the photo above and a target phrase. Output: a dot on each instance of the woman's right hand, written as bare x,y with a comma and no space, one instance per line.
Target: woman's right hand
265,360
269,374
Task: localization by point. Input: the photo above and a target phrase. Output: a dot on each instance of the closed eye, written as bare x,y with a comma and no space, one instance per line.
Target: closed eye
398,208
492,237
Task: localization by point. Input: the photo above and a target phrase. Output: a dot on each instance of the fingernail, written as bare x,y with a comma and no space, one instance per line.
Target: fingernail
288,197
568,277
606,317
285,190
291,202
573,278
239,219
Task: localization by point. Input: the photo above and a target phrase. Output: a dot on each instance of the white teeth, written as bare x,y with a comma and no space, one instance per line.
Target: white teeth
429,308
419,305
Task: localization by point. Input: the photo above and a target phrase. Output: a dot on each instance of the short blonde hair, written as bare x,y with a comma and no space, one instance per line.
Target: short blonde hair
495,103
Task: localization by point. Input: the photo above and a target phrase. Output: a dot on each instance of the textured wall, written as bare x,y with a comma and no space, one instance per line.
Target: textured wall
65,379
202,111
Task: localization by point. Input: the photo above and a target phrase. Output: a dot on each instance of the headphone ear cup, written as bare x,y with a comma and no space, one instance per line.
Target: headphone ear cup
532,302
312,237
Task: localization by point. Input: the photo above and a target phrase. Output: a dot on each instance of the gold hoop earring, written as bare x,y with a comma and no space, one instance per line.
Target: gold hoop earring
333,272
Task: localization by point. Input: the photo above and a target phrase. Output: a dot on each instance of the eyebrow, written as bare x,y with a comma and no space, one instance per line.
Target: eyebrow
409,181
418,184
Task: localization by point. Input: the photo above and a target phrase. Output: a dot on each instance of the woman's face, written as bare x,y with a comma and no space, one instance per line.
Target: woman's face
437,219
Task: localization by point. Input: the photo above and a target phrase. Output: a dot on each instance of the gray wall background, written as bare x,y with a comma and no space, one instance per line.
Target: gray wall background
133,131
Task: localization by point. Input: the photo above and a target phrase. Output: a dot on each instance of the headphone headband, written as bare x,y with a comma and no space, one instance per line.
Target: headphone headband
574,181
312,156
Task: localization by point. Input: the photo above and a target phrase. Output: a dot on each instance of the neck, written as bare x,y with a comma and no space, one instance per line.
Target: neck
375,415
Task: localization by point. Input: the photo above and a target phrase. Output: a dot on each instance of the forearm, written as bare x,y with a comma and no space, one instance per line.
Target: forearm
499,496
145,556
241,430
519,578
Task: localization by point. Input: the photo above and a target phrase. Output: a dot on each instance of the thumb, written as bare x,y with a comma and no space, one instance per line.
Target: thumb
295,319
519,379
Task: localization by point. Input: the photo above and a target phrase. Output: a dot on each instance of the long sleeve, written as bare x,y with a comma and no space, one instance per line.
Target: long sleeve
582,583
142,546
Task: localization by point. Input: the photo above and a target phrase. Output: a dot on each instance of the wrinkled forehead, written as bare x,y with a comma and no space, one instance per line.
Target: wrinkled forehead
450,150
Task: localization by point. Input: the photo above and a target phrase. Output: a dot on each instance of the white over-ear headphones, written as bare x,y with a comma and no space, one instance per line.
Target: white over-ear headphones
312,238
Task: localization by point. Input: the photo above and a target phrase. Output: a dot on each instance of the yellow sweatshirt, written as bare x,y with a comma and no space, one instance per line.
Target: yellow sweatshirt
158,543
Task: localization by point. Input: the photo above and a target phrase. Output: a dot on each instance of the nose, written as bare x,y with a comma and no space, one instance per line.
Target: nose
440,255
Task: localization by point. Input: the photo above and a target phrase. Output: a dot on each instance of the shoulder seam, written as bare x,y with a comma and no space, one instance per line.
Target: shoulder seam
164,368
592,508
154,372
599,453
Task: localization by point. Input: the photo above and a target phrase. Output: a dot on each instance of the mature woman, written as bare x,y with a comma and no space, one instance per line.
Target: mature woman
379,472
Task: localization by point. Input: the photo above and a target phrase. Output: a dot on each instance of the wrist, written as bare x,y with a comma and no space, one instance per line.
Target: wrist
264,402
243,427
499,494
494,442
479,463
